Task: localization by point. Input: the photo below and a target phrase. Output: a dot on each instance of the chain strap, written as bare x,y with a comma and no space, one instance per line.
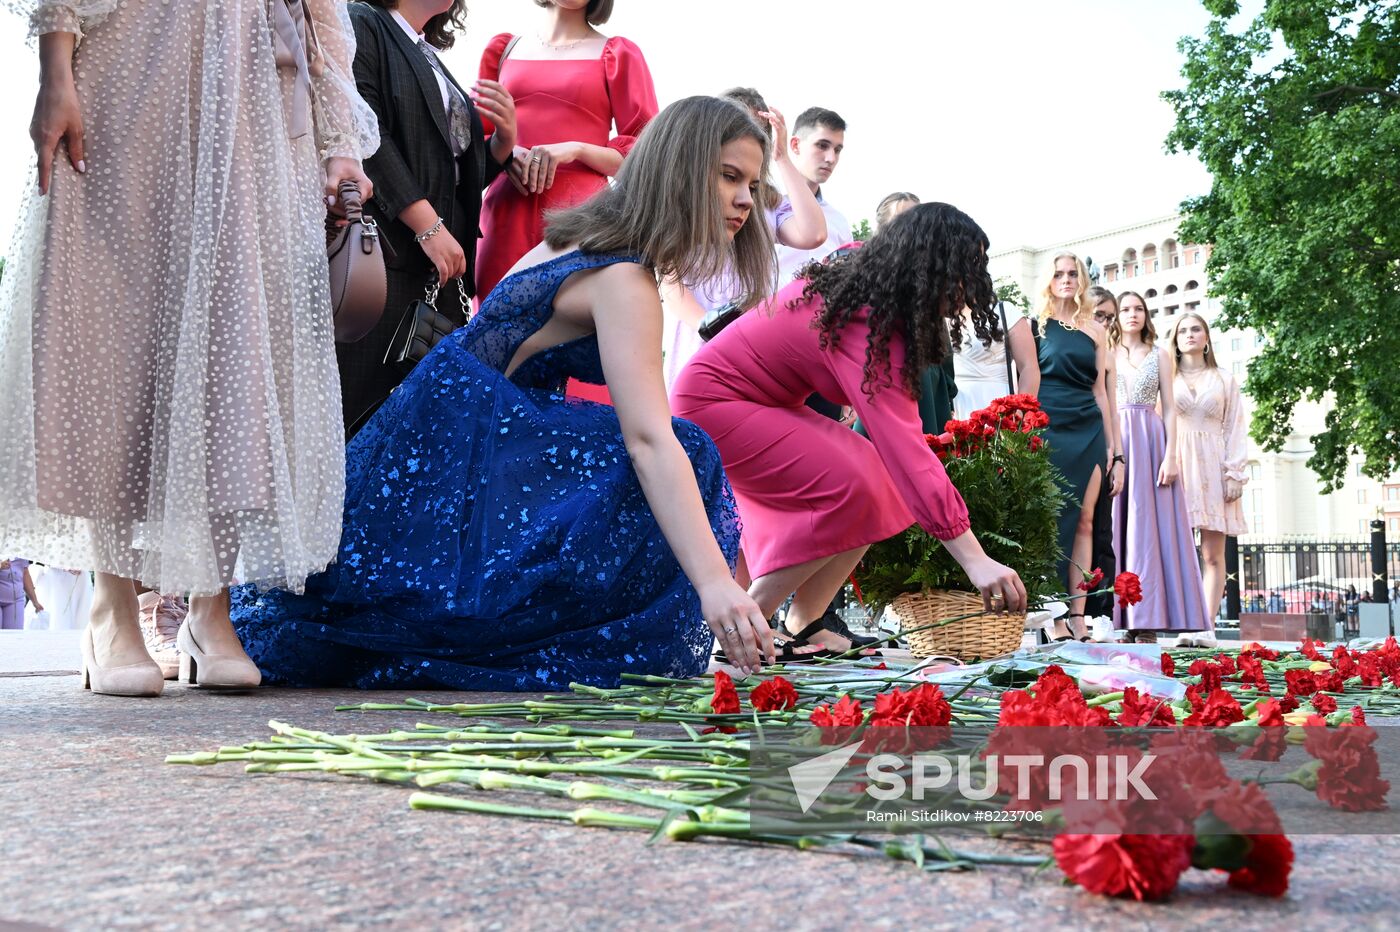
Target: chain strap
430,293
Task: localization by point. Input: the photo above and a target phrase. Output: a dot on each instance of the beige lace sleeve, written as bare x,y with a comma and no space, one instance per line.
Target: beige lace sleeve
345,125
75,16
1235,449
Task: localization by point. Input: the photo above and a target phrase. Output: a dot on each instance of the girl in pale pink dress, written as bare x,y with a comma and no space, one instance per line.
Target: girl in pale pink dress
812,494
169,401
1211,446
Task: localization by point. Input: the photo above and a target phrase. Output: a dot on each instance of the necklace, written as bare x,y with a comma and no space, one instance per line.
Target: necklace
563,46
1128,356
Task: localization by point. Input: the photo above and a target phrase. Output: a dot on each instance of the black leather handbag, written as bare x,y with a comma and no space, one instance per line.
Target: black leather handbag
422,327
722,317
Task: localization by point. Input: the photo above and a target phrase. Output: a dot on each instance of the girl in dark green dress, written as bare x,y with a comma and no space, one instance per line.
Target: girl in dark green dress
1083,425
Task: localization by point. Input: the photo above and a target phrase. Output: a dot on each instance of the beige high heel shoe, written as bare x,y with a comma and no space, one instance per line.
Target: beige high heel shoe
142,679
214,671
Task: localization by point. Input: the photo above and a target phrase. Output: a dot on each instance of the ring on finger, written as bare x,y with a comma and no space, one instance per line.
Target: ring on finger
731,629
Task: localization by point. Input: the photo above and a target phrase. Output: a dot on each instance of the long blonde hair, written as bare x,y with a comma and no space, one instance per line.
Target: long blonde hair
665,205
1083,310
1207,355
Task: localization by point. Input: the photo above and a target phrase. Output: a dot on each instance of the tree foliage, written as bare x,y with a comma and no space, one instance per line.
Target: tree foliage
1297,117
1010,292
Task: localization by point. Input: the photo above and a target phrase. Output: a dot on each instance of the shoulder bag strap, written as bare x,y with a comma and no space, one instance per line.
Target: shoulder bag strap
506,54
1006,349
479,146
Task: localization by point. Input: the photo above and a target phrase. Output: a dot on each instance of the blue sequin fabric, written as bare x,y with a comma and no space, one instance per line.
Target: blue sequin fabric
495,534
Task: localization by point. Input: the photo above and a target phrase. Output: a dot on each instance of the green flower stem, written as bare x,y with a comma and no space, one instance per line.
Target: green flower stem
599,818
940,851
1105,699
350,743
459,804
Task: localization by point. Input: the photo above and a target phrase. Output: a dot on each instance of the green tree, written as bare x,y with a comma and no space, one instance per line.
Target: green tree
1010,292
861,231
1297,117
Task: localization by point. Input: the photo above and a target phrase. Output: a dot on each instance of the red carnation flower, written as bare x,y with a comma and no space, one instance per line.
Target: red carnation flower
1300,682
1140,867
1324,703
1145,711
1289,703
1168,664
1220,709
1259,650
1091,580
921,706
1272,741
846,713
1036,444
1332,682
1211,675
1358,715
726,698
775,695
1350,776
1369,669
1128,588
1266,868
1309,649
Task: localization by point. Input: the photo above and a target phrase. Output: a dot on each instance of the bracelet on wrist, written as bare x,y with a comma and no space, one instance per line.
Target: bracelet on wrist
429,233
1117,458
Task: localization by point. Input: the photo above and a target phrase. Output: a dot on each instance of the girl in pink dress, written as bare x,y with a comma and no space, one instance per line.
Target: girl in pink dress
571,85
812,494
1211,447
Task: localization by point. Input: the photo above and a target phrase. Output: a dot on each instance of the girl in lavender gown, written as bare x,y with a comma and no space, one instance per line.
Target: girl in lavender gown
1151,530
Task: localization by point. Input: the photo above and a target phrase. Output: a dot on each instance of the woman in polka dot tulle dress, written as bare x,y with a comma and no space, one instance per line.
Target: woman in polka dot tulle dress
169,405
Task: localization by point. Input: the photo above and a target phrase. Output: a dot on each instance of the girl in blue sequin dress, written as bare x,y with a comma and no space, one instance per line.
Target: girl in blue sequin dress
498,536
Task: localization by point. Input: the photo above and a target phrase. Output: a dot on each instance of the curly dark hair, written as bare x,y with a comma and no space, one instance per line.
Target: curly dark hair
919,271
440,30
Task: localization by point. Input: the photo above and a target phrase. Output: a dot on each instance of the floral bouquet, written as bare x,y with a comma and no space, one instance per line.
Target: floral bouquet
997,459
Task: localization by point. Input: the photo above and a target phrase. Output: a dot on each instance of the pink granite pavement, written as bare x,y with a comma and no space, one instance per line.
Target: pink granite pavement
96,832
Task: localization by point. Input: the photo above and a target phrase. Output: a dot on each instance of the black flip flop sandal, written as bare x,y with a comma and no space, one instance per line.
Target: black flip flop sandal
833,624
837,625
788,653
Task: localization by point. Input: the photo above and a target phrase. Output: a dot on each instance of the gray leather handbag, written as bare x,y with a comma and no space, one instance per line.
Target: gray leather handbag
359,285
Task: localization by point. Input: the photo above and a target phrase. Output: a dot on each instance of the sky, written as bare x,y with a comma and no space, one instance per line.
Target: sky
1041,120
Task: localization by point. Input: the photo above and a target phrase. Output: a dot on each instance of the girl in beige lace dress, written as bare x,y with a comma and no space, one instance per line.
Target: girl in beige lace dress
168,391
1211,445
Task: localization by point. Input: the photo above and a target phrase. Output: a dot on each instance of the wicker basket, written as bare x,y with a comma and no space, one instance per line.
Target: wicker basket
968,639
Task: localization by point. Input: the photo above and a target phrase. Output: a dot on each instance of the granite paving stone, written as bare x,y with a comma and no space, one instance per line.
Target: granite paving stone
97,832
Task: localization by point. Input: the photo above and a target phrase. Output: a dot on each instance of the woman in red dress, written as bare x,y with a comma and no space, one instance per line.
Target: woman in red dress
571,84
812,494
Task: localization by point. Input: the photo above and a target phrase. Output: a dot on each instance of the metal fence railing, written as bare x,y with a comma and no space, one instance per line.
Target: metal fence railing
1324,577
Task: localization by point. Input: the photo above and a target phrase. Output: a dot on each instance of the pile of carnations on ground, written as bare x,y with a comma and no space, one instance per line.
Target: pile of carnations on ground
672,757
